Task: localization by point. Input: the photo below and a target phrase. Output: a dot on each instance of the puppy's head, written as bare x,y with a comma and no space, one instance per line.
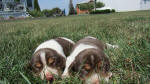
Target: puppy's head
92,65
47,64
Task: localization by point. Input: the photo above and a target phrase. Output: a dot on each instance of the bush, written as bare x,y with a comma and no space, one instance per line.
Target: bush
47,12
99,4
102,11
90,6
11,17
36,13
54,12
1,18
113,10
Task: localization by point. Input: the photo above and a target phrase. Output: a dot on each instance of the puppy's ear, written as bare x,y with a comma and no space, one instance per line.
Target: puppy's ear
106,65
103,65
72,68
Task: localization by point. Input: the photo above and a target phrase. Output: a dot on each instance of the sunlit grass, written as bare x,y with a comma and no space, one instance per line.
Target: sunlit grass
131,31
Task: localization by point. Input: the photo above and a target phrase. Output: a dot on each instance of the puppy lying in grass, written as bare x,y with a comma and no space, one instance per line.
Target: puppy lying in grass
89,61
49,58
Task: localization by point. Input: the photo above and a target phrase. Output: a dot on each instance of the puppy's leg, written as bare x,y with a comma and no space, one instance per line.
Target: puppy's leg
109,46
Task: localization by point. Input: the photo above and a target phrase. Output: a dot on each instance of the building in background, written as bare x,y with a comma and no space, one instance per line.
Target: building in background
79,11
145,4
15,8
127,5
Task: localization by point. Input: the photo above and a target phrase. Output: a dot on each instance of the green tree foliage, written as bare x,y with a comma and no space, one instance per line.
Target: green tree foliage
47,12
54,12
36,13
17,0
71,8
36,5
90,6
99,4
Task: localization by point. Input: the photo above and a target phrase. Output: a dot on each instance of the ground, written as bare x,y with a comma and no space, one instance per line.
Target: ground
130,63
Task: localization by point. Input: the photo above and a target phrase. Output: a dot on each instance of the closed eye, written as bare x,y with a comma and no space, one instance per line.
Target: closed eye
38,65
87,67
51,60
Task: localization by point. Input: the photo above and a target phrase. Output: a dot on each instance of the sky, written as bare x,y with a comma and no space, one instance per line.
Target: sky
123,5
118,5
62,4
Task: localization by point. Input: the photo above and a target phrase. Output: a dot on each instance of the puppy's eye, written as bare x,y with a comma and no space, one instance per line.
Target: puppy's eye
87,67
51,60
38,65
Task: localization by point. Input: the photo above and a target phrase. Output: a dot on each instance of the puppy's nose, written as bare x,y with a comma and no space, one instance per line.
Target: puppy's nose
49,76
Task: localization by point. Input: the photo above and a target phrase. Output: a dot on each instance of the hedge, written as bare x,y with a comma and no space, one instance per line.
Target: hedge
102,11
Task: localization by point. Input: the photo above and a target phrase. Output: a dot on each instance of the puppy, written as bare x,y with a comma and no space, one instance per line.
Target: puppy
88,59
49,58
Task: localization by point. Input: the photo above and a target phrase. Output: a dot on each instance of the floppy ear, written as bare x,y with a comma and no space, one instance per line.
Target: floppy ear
106,64
72,67
103,64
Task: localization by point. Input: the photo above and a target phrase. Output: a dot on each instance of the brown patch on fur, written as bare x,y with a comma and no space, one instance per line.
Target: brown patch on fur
50,60
66,45
38,65
91,41
87,66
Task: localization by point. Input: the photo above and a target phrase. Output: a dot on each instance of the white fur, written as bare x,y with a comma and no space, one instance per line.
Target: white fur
69,40
91,37
52,44
93,79
43,59
46,69
73,55
111,46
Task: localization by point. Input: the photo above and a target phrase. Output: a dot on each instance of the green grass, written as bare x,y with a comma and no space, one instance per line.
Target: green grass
130,63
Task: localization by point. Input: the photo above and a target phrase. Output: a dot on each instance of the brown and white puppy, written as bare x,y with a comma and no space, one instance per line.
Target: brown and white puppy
88,59
49,58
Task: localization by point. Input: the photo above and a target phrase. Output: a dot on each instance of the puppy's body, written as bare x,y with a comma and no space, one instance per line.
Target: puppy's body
49,57
89,60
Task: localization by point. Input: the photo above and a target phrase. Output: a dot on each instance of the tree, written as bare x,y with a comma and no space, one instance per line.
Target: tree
56,10
71,8
36,5
47,12
17,0
95,5
90,6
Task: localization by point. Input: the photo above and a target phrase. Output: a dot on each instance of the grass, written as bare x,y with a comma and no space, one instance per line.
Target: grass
130,63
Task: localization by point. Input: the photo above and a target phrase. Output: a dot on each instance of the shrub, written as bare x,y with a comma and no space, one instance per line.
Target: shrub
90,6
36,13
11,17
99,4
113,10
1,17
47,12
54,12
102,11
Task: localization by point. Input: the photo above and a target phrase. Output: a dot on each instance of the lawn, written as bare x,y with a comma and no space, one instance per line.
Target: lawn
130,63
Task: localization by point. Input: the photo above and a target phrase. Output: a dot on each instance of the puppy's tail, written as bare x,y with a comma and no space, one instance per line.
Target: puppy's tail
110,46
